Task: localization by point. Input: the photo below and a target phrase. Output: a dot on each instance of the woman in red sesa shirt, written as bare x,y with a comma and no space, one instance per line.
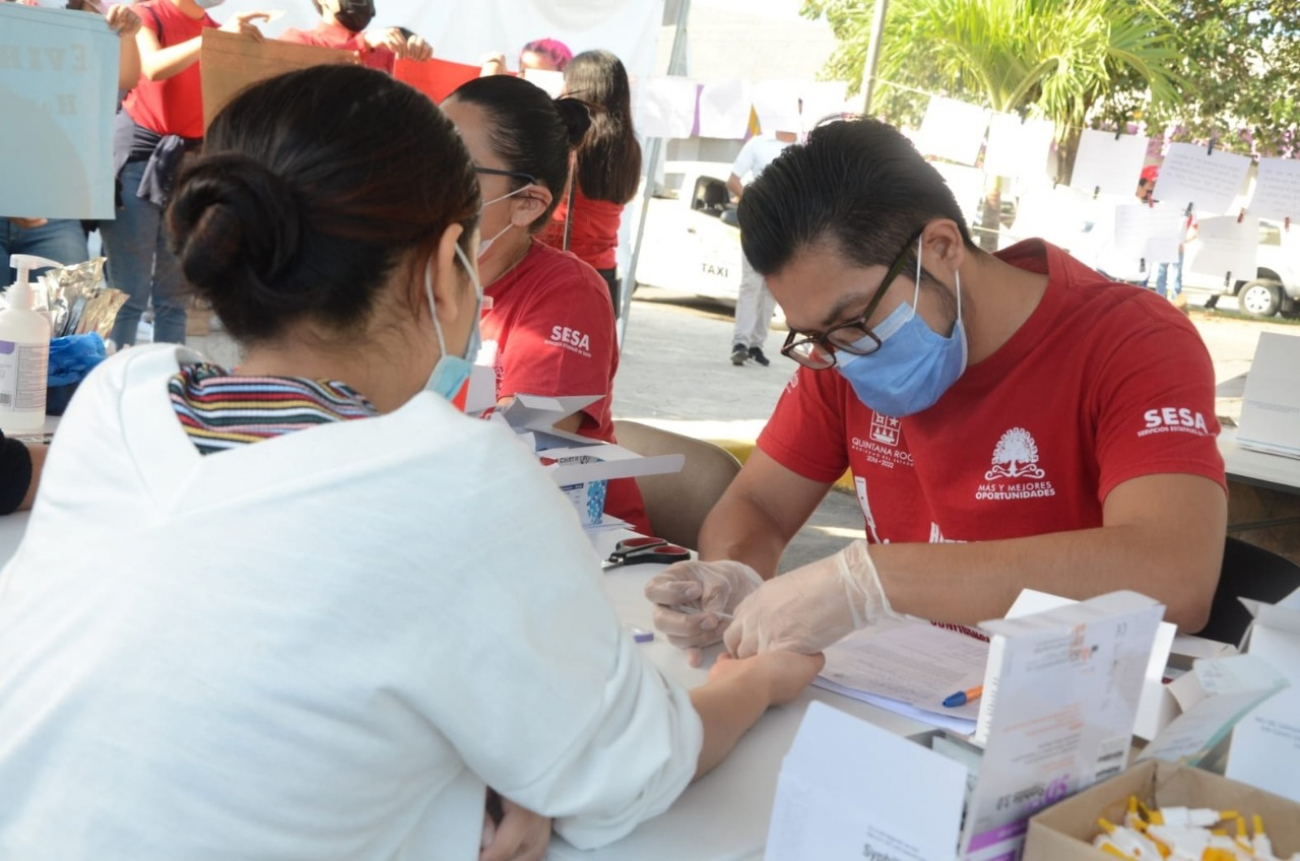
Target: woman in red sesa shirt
609,168
549,327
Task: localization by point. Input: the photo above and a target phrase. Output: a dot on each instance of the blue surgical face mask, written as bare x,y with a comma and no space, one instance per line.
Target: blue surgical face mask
451,373
914,365
208,4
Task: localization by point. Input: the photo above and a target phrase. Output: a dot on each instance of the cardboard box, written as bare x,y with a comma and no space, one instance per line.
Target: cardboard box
1065,831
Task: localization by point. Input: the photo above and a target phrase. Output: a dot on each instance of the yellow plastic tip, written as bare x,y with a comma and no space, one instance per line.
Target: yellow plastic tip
1132,804
1111,849
1258,822
1156,817
1105,825
1229,814
1241,826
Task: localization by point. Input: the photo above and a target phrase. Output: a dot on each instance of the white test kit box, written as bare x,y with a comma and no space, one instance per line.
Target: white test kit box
580,466
1069,684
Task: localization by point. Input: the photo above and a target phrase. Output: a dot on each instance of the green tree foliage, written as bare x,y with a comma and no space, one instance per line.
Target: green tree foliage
1239,64
1054,59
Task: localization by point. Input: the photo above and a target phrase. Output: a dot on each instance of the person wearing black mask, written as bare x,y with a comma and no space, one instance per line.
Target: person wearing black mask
343,26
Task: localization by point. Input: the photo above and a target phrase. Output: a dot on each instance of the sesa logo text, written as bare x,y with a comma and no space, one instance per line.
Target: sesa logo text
571,340
1174,420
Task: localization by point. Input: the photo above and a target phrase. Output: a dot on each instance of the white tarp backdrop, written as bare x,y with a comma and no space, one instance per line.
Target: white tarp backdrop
465,32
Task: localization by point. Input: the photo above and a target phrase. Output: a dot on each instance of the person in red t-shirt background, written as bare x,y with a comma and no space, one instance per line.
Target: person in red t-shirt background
548,328
1011,421
160,121
608,168
343,26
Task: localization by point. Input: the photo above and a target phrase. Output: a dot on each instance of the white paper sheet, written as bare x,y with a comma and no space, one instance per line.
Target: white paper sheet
967,184
912,663
959,725
724,109
1277,189
953,130
1209,181
1225,248
777,106
1151,233
1270,408
1018,149
823,100
58,92
1108,163
849,789
667,107
550,81
1055,214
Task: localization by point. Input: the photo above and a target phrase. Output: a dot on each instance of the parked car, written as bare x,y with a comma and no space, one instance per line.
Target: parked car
692,243
1276,285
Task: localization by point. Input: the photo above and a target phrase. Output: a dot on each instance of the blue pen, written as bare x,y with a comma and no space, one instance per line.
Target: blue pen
962,697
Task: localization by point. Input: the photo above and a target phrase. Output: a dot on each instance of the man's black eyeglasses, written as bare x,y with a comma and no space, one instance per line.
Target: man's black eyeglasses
817,350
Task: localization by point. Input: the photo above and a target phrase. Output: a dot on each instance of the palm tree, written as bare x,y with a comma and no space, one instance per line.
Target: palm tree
1053,59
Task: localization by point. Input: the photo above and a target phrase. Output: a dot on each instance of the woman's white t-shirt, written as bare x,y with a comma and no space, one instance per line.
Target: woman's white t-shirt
318,646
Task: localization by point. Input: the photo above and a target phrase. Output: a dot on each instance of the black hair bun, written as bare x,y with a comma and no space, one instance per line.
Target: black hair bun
576,115
234,224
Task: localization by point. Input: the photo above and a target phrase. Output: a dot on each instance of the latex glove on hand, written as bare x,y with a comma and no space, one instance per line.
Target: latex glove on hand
709,588
811,607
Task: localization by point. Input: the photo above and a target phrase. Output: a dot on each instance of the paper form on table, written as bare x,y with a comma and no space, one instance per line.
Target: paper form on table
908,667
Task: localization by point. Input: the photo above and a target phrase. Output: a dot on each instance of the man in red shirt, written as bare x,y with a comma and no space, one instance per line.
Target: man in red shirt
1011,420
343,26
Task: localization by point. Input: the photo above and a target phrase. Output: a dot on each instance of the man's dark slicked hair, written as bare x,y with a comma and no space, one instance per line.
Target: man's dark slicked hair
858,184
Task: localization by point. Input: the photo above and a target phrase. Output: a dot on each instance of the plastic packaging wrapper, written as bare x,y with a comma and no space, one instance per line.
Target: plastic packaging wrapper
79,301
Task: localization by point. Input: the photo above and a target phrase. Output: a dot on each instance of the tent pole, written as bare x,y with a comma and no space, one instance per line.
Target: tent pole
676,66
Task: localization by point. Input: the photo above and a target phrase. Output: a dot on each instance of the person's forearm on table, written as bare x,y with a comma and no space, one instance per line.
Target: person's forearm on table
969,583
740,528
727,708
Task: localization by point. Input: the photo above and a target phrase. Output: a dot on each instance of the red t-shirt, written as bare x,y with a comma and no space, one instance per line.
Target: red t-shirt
550,331
173,106
593,238
1102,384
337,36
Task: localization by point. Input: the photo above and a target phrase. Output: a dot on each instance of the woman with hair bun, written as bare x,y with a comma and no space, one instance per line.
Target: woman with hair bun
549,329
304,608
608,168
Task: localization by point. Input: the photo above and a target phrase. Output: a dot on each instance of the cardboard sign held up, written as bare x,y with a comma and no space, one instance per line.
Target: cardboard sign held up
437,79
231,63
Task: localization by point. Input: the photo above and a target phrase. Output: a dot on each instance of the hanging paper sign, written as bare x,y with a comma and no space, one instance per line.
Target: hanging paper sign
58,93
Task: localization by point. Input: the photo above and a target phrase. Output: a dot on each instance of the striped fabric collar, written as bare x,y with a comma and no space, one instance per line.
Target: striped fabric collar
220,411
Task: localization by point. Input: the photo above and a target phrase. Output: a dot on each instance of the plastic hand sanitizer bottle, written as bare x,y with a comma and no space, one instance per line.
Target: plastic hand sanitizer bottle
24,353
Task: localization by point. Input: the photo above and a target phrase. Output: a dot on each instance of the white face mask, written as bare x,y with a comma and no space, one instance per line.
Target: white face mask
485,244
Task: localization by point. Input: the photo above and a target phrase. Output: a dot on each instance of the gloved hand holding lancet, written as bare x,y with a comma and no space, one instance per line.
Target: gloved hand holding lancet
811,607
